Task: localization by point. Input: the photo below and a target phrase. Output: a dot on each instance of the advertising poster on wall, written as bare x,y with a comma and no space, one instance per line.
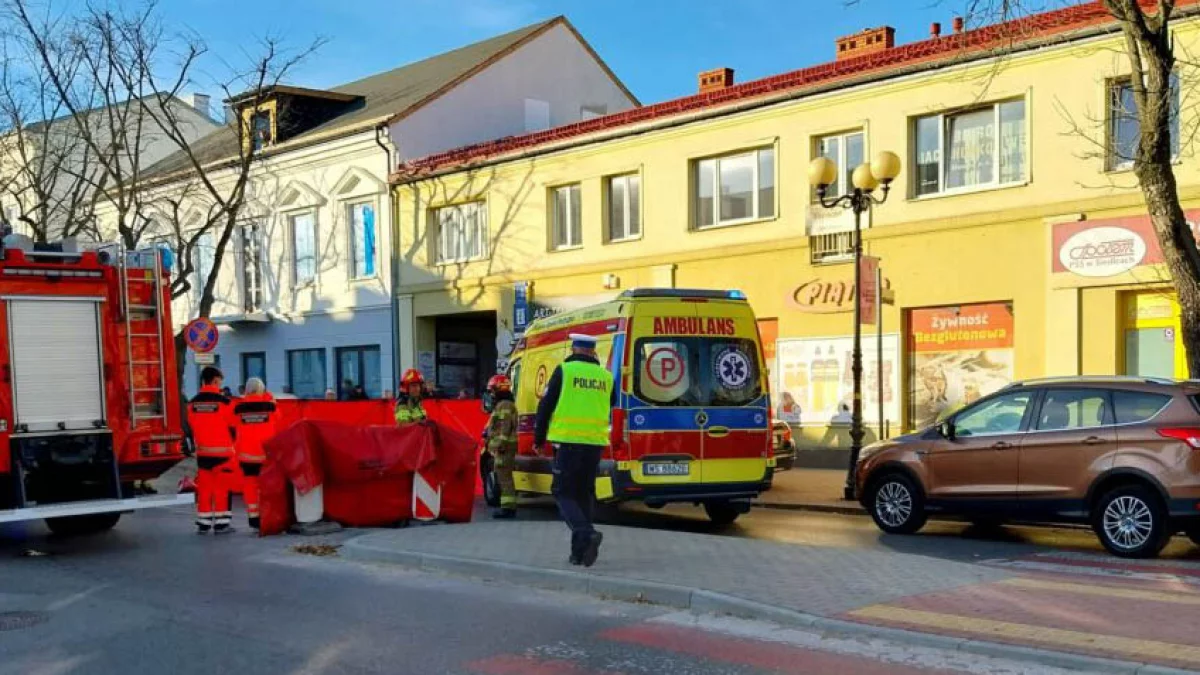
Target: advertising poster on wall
815,376
958,354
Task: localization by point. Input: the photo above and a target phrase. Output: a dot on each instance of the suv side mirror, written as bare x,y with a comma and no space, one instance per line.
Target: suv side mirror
946,429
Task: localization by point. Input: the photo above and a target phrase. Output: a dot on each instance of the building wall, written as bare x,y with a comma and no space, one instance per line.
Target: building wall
554,68
989,245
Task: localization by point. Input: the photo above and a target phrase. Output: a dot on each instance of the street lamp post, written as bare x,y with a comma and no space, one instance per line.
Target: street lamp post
866,178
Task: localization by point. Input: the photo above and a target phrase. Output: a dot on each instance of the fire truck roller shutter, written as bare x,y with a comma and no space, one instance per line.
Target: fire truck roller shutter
57,372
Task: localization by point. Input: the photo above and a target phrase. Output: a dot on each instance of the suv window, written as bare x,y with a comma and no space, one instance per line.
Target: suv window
999,415
1137,406
1074,409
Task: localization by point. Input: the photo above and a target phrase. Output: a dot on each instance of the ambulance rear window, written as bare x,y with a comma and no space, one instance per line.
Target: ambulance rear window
697,371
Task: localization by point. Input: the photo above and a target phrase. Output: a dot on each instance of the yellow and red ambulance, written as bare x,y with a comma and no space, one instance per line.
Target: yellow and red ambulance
692,419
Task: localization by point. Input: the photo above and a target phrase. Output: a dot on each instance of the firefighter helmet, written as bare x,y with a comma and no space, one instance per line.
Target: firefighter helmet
412,376
499,382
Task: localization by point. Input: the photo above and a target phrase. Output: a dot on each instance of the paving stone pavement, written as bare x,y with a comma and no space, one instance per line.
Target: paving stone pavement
813,580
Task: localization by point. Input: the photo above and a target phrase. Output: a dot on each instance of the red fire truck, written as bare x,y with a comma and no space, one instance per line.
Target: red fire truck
89,397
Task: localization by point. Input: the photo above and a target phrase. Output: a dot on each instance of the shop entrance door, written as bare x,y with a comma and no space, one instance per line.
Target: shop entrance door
1152,343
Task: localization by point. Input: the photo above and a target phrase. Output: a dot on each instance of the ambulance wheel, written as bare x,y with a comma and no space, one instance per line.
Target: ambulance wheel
721,513
73,526
491,484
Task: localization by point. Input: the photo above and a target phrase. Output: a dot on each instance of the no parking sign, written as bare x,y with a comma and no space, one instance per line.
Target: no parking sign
664,373
201,335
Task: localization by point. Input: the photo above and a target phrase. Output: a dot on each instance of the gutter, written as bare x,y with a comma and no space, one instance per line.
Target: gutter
774,99
393,257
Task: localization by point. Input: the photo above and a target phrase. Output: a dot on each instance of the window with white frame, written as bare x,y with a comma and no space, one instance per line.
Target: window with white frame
462,232
303,227
361,217
981,147
1124,128
847,151
624,207
566,225
204,253
735,188
253,267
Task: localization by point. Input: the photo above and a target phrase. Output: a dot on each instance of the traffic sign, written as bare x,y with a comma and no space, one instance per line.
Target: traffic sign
664,367
204,358
201,335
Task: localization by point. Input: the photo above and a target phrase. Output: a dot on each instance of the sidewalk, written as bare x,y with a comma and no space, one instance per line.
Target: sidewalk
810,490
863,594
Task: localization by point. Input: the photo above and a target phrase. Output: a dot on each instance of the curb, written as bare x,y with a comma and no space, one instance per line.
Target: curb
712,602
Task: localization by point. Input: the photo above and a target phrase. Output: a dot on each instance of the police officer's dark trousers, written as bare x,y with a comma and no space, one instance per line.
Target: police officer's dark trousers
575,489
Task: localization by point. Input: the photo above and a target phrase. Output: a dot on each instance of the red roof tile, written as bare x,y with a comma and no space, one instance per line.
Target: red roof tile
1035,27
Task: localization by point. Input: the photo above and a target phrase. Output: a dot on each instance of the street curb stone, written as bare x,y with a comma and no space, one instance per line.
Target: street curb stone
813,507
711,602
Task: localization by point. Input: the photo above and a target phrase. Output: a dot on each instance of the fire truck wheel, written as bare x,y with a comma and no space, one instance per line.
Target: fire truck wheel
73,526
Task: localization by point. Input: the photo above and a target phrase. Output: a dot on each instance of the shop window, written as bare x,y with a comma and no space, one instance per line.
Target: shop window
977,148
834,247
847,151
306,373
734,188
254,364
303,228
1124,129
361,218
566,225
359,374
462,233
624,207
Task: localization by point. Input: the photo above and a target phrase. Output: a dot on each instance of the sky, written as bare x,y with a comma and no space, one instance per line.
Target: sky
657,47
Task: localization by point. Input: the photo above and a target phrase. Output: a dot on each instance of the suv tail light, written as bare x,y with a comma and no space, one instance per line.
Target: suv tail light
1189,435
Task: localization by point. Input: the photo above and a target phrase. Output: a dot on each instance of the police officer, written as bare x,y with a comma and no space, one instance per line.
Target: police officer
501,437
255,413
573,416
210,416
408,403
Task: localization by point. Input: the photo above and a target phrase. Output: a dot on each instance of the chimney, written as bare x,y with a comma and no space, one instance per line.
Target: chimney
958,24
935,29
869,41
716,79
201,103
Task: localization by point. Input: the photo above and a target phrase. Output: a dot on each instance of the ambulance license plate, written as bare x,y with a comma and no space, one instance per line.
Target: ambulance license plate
666,468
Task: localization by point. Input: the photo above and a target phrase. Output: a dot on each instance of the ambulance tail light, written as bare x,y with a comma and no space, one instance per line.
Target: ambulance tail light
619,436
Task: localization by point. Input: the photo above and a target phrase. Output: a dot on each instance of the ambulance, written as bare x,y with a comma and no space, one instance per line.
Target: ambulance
692,419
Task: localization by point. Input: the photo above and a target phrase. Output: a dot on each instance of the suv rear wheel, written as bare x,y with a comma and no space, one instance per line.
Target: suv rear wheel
897,504
1131,522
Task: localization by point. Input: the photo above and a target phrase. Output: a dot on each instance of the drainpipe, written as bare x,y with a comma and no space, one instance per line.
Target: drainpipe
381,132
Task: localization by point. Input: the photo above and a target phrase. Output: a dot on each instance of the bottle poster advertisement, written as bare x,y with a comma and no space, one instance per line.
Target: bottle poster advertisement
815,380
958,355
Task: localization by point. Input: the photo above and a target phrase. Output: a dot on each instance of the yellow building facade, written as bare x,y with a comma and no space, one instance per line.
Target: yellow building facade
1013,245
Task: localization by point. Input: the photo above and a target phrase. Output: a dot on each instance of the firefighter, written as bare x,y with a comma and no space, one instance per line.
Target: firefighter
211,418
501,437
408,403
573,416
255,414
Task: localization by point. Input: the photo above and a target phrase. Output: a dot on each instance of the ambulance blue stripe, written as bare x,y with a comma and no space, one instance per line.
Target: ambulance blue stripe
649,418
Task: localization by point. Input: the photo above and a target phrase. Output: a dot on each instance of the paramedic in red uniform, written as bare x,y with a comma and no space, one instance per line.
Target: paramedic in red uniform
210,416
255,413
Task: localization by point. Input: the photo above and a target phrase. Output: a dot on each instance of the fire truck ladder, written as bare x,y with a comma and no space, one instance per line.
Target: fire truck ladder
141,299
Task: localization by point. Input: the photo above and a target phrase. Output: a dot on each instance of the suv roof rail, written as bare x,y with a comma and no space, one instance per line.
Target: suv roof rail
1095,379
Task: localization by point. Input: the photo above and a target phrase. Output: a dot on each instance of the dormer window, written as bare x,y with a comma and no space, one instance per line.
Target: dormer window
260,130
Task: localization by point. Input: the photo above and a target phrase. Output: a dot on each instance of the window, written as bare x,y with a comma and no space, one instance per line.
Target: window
304,249
1124,128
977,148
689,372
848,151
999,415
306,373
1132,407
462,233
833,247
252,268
624,207
566,227
204,253
362,240
1064,409
358,373
254,364
260,130
735,188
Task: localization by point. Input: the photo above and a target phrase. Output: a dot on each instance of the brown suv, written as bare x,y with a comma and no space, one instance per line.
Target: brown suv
1120,453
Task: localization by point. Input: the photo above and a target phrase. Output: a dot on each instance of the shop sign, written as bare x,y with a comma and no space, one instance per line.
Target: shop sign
828,296
1107,248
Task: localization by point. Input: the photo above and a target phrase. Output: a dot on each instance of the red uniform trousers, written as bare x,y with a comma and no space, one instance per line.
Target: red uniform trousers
214,477
250,471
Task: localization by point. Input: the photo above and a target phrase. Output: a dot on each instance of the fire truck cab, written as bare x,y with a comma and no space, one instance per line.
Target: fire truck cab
89,397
